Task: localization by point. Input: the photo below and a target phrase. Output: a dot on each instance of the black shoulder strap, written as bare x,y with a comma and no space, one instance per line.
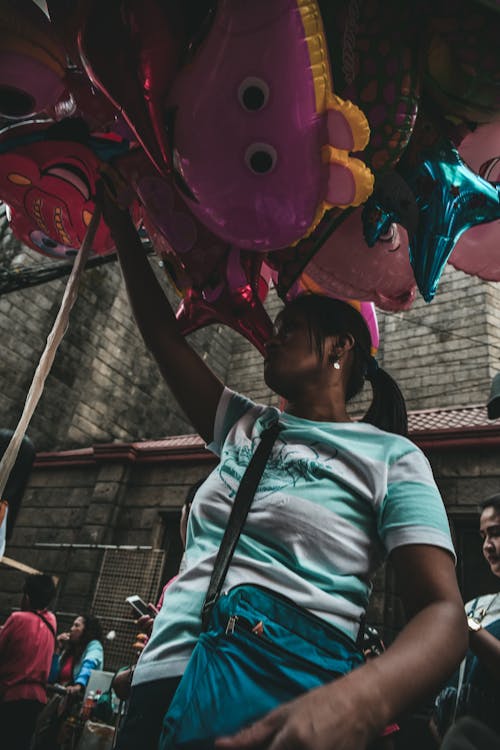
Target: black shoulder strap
239,512
50,627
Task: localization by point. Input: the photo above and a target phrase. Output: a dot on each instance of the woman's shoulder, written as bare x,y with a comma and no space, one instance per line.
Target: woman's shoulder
391,445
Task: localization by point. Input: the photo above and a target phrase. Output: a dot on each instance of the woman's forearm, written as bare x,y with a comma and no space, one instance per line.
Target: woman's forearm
424,654
191,381
153,313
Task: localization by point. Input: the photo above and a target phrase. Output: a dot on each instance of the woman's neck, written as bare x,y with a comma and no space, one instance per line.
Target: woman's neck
318,410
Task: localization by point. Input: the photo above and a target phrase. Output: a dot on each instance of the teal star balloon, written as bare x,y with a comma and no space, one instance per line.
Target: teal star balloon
450,197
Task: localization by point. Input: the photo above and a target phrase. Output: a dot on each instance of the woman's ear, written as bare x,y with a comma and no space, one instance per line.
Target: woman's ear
338,346
346,342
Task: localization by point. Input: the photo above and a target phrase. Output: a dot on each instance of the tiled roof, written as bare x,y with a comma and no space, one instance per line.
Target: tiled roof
460,427
465,417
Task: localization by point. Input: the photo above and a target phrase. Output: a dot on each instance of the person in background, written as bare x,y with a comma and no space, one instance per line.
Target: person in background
337,496
121,682
475,689
26,648
77,653
146,622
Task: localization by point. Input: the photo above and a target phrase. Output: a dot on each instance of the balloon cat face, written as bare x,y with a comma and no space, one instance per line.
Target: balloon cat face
50,188
260,142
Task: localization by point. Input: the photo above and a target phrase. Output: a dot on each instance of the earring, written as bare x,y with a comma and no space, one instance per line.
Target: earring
334,360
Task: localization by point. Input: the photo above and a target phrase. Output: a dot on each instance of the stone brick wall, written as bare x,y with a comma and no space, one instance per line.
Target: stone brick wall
104,385
445,353
107,503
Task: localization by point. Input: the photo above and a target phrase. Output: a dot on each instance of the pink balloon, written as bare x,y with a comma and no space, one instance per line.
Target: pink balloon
478,250
131,53
235,301
32,61
219,284
346,267
259,141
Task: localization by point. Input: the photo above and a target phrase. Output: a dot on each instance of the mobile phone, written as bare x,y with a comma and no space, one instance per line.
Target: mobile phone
139,606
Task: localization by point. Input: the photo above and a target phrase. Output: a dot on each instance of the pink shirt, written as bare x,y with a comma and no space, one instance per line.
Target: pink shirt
26,649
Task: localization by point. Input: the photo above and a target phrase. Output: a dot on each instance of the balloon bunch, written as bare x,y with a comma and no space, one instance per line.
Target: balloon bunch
285,141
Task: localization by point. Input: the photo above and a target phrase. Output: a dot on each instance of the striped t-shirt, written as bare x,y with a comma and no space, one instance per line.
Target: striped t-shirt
334,500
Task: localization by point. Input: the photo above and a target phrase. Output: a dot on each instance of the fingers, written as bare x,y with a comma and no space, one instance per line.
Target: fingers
257,736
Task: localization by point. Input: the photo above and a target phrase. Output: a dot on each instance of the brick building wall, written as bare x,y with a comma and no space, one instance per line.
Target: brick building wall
444,354
104,384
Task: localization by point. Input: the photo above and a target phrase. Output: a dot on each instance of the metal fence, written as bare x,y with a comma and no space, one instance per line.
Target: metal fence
123,573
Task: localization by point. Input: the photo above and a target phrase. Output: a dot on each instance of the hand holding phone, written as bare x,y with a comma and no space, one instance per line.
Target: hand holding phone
140,607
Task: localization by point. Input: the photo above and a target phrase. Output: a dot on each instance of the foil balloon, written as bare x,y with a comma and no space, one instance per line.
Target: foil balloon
32,61
346,267
218,283
236,300
463,60
451,199
261,143
376,60
48,181
478,250
131,52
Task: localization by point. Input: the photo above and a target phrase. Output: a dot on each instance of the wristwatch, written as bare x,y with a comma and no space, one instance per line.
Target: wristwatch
473,625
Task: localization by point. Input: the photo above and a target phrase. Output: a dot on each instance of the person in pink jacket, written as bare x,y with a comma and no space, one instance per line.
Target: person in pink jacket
26,646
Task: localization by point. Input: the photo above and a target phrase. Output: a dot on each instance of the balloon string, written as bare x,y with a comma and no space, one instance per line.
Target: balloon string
53,340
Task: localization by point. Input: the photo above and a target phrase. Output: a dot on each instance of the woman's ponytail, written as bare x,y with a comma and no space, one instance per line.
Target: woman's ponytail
388,407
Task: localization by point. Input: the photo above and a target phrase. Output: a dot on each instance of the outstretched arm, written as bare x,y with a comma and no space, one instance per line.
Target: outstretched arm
196,388
348,713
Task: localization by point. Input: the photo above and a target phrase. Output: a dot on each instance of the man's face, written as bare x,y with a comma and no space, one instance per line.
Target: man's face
489,528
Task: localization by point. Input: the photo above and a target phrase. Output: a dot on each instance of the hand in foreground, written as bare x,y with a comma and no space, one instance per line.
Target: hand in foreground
324,719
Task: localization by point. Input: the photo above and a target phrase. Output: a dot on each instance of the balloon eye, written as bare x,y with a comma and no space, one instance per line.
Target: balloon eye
261,158
48,243
253,94
15,103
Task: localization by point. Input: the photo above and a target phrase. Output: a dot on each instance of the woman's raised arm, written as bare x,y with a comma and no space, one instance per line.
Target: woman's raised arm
196,388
